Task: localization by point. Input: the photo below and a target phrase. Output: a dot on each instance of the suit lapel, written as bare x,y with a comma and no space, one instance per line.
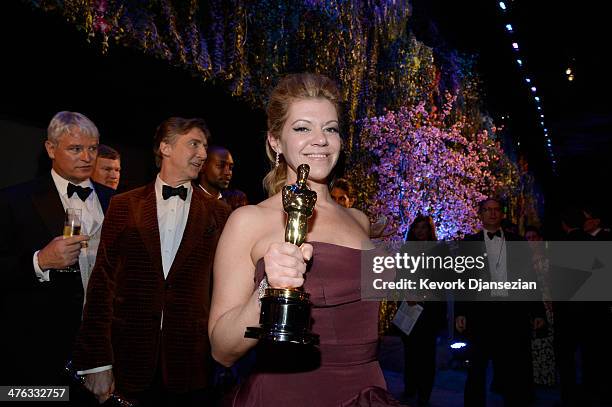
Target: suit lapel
146,217
194,229
480,237
49,205
96,218
104,195
511,270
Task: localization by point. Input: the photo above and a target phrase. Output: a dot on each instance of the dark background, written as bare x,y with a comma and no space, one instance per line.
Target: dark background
552,35
48,66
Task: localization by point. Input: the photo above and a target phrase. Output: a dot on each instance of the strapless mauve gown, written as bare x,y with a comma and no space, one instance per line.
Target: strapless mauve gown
342,370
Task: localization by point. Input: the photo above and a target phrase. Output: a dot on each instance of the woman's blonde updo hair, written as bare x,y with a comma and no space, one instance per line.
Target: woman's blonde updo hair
291,88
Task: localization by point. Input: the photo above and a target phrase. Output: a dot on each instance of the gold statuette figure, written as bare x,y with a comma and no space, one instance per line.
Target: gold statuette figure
298,202
285,312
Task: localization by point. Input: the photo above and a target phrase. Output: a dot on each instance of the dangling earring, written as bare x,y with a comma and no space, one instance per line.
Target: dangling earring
277,161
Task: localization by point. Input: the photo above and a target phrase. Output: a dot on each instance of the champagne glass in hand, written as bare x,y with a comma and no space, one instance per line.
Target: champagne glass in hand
72,227
72,222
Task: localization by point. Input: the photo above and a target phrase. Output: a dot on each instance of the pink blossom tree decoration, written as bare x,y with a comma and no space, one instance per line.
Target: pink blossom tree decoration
423,163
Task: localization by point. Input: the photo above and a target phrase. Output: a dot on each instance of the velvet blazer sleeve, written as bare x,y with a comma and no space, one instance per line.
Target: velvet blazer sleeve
93,346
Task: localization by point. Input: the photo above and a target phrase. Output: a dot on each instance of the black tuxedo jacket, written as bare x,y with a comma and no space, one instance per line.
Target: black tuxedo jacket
31,215
38,320
516,314
519,260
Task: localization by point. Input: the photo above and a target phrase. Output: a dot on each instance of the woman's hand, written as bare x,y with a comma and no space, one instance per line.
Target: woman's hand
286,264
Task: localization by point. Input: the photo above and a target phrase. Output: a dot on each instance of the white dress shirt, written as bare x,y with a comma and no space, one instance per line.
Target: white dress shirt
496,253
172,214
92,217
595,232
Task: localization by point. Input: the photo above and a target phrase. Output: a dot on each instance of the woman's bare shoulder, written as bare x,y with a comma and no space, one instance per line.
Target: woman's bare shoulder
361,218
254,220
271,203
254,212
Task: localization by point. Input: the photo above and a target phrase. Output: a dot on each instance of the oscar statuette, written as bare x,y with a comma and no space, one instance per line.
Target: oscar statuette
285,312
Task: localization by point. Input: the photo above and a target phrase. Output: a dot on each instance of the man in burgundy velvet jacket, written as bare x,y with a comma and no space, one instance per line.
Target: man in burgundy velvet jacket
144,331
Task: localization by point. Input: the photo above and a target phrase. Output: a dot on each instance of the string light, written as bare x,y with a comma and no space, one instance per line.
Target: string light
570,74
521,63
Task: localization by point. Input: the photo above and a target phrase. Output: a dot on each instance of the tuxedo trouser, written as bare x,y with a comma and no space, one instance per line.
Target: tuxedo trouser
157,395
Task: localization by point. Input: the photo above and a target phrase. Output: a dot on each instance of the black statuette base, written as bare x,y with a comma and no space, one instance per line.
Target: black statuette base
284,319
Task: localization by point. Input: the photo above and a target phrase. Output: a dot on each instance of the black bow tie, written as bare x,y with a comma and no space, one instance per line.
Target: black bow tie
168,191
492,235
82,192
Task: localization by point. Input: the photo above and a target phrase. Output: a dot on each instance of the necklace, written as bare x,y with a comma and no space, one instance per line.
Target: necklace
204,189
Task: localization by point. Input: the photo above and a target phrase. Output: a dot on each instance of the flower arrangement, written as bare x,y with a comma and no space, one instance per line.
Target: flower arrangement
423,162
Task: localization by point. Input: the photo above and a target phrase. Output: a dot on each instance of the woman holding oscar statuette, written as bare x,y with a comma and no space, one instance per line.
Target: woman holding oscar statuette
303,128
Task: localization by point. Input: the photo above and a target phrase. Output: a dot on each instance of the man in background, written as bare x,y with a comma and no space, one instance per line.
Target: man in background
216,176
42,272
593,226
108,167
343,193
498,328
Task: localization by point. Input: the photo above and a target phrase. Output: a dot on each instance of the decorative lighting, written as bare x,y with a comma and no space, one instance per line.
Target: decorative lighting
458,345
520,62
568,71
570,78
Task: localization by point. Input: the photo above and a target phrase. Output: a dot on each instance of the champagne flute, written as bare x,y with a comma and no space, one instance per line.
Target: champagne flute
72,222
72,227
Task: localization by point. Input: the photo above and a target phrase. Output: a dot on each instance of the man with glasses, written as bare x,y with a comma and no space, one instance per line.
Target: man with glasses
499,329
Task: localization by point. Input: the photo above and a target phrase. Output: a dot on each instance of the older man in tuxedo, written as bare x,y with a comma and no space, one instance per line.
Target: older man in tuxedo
144,332
43,273
499,329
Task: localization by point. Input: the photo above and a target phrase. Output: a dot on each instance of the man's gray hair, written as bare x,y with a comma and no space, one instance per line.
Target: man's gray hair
66,122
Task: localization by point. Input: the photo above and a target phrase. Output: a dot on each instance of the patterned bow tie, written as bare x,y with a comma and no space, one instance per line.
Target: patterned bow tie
492,235
168,191
82,192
